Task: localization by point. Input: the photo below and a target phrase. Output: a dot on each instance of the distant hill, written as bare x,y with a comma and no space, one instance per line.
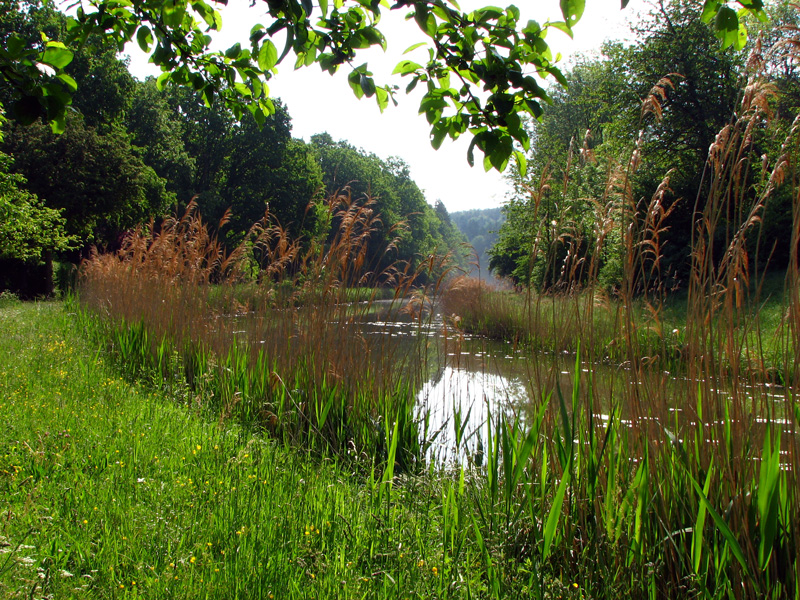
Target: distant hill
481,227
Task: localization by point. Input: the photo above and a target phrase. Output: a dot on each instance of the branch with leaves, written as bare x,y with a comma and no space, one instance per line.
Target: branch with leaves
481,76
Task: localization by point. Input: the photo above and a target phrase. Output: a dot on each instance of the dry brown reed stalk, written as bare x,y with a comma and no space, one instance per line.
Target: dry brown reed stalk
723,391
720,277
148,278
295,320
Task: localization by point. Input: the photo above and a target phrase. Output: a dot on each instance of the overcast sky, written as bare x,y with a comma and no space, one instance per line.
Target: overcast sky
320,102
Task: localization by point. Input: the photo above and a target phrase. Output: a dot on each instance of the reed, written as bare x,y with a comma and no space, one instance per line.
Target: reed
688,483
270,333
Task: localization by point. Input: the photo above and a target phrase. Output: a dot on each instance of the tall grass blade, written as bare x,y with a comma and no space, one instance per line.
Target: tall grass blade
555,512
699,524
726,532
768,495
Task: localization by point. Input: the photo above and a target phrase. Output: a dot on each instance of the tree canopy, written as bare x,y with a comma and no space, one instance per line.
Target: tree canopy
633,123
28,228
479,77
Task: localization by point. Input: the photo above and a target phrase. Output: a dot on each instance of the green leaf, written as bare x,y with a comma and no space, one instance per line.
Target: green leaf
27,109
432,105
488,13
438,133
382,96
373,37
425,20
533,107
58,123
258,87
727,26
57,55
257,33
242,89
144,37
700,523
15,45
354,79
522,162
741,38
414,47
726,532
572,10
768,494
405,67
161,82
555,513
68,81
359,41
368,85
561,26
173,11
234,51
710,9
267,56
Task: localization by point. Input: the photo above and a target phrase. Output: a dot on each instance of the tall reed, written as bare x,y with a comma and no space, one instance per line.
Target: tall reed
687,483
266,332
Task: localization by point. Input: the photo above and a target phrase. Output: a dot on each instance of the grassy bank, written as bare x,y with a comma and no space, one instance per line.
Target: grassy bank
761,338
111,491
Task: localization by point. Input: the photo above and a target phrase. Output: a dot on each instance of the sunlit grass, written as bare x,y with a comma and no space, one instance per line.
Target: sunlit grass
109,491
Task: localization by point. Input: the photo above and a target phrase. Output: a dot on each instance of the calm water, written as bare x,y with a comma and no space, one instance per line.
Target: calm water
480,379
473,376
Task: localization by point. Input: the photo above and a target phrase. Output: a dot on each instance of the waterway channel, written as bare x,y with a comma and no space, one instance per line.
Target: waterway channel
471,379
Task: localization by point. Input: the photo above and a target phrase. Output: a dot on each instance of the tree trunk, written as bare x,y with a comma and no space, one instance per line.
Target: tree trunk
49,285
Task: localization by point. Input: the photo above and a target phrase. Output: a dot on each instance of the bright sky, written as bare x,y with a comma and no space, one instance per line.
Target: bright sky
320,102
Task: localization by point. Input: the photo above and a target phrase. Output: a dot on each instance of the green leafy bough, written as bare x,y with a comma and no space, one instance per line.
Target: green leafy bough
480,76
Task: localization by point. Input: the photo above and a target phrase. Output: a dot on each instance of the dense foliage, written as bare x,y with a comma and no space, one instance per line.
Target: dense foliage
637,121
405,216
130,150
478,73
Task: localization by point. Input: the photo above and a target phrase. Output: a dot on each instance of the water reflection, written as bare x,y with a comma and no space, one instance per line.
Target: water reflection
459,379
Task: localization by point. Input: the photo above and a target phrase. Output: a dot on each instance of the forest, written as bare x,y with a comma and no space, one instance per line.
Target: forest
131,152
480,226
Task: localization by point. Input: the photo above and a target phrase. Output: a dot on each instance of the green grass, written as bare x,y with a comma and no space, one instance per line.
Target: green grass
111,490
108,491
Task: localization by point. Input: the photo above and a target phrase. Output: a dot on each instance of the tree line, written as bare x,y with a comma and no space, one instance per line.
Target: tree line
131,150
661,102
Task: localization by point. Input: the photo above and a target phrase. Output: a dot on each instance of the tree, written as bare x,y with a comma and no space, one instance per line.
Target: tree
98,181
407,221
158,132
243,167
28,229
586,138
478,75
